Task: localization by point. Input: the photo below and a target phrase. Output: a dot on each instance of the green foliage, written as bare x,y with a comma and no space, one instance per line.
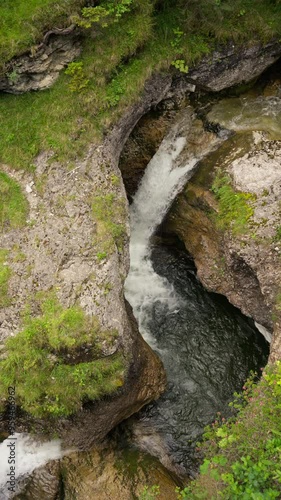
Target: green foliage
13,205
92,15
101,256
243,454
56,362
107,210
5,273
234,211
104,14
78,79
180,65
149,492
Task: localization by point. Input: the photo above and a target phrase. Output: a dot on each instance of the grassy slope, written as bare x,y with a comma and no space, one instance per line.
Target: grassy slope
22,23
116,64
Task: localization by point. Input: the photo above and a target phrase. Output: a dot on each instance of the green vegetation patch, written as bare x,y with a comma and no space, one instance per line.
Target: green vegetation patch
107,211
5,273
121,50
243,455
23,23
235,210
56,363
13,204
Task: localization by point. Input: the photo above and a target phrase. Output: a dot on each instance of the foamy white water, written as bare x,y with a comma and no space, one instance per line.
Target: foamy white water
29,455
164,177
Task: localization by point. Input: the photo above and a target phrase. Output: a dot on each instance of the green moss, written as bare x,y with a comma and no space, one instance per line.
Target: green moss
5,273
56,363
234,211
13,204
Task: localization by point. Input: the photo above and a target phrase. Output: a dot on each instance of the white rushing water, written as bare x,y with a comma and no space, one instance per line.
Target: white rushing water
28,455
164,177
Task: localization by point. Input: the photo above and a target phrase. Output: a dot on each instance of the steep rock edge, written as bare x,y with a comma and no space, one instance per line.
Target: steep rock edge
245,267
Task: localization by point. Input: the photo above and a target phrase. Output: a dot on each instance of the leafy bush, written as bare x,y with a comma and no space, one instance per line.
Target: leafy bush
56,362
78,79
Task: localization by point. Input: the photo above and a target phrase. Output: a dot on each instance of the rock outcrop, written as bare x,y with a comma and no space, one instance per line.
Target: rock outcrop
40,68
233,65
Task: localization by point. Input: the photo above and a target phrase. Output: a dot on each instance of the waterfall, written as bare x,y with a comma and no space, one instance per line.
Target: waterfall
164,177
29,454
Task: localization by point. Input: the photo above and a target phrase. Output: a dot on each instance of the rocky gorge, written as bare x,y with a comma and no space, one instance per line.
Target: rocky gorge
68,247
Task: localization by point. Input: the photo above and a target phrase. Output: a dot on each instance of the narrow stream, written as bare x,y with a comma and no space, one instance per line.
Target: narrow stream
207,346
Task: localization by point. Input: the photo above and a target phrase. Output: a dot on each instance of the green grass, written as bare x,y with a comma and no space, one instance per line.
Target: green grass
13,204
5,273
56,362
234,209
107,211
23,23
243,455
116,62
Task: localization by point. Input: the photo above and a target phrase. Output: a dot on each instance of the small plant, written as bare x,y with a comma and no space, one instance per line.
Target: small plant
149,492
114,92
13,76
101,256
92,15
115,180
180,65
78,78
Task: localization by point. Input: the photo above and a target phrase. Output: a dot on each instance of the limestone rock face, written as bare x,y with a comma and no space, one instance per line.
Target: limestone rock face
244,266
39,70
233,65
